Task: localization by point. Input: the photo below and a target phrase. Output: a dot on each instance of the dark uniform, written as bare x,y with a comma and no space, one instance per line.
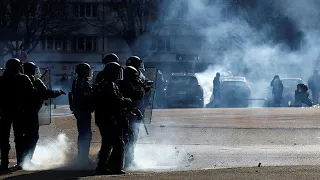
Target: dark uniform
110,117
216,87
81,104
16,92
40,94
277,90
136,62
131,87
314,85
302,96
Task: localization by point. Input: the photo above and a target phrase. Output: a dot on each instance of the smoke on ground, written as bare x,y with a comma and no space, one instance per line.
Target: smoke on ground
160,157
50,153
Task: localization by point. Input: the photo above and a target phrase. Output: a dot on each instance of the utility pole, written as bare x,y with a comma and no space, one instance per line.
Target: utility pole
103,19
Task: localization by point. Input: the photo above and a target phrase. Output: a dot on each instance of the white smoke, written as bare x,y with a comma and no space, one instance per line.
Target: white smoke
160,157
251,49
51,153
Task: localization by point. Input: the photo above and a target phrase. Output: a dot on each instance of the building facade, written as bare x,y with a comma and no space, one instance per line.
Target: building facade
173,45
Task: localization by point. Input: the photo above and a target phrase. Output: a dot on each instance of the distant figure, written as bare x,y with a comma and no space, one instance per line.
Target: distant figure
314,85
301,96
216,87
277,90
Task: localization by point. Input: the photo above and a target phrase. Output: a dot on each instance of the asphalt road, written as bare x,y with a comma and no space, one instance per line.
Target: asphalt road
194,139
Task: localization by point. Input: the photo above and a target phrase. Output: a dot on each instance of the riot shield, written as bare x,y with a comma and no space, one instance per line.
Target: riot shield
45,111
150,74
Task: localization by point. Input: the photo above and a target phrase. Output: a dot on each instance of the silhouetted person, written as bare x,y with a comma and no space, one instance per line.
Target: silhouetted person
131,87
136,62
277,90
301,96
110,109
314,86
216,87
81,105
40,94
16,98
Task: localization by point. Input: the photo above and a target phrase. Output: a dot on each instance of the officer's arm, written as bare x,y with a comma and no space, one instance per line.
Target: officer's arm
137,92
45,92
116,97
27,85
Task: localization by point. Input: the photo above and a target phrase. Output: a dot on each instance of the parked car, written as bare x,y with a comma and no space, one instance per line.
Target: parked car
183,91
235,92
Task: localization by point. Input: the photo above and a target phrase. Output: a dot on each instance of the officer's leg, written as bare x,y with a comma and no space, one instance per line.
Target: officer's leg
18,129
116,160
84,134
129,147
105,150
31,137
5,126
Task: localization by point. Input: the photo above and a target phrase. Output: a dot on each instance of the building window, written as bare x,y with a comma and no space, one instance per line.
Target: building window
162,44
54,43
86,10
81,44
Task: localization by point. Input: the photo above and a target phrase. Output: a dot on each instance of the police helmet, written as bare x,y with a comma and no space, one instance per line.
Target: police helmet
112,70
134,61
83,70
14,65
110,58
29,68
130,72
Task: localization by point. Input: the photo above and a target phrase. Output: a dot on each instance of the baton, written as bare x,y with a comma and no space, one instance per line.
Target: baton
145,127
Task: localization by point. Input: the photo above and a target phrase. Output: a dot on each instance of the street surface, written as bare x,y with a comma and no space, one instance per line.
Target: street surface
195,139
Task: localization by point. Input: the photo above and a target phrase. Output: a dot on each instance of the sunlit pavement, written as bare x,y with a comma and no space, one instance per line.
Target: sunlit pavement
191,139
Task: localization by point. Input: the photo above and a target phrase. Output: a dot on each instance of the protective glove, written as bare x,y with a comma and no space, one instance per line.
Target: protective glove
62,92
127,102
138,114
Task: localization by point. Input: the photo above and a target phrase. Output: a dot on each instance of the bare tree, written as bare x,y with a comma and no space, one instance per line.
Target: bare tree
132,19
31,21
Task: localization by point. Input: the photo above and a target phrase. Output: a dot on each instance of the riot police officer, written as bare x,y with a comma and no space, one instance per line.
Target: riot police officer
277,90
110,113
16,97
108,58
40,94
136,62
131,87
80,100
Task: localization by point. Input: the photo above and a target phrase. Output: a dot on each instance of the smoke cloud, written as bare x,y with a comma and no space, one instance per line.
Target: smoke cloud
256,39
49,154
